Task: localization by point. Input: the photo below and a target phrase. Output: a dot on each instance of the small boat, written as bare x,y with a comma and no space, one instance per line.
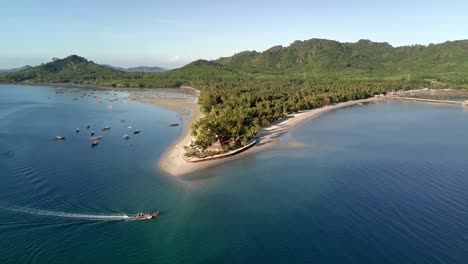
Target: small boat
77,130
122,120
142,216
136,132
125,137
95,143
174,125
74,99
95,138
59,138
87,126
105,128
92,133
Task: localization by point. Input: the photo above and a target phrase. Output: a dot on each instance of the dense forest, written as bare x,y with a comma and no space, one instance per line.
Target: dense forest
250,90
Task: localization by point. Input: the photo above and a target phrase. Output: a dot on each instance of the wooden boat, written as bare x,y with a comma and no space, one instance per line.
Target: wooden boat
142,216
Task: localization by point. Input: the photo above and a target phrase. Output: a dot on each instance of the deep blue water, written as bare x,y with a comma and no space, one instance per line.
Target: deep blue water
380,183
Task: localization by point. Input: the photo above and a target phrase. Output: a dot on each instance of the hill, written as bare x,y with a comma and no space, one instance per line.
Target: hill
318,57
16,69
72,69
136,69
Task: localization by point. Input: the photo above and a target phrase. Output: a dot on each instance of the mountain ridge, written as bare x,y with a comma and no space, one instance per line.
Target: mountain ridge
302,59
25,67
142,69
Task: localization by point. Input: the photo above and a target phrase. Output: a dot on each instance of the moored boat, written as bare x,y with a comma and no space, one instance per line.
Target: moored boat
95,138
59,138
95,143
105,128
174,124
125,137
136,132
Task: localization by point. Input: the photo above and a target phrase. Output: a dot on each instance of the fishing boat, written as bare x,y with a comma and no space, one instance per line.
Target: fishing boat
59,138
174,124
95,143
95,138
142,216
136,132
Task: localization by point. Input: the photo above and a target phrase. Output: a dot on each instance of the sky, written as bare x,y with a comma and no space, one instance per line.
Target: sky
172,33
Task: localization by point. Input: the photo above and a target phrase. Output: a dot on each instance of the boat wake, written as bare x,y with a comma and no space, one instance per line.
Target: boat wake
94,217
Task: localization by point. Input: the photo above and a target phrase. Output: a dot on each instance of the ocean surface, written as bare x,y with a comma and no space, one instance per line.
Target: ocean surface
379,183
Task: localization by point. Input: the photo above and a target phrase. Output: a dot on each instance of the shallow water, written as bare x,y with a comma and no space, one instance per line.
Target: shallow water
380,183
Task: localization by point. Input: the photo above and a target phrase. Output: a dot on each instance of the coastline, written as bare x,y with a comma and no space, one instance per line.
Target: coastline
173,162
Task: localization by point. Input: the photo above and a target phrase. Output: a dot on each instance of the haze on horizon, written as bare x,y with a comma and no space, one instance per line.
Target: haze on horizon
173,33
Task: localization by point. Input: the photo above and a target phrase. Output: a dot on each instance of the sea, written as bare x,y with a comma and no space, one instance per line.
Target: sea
377,183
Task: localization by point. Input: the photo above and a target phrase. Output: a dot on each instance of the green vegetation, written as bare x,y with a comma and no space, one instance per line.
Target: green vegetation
250,90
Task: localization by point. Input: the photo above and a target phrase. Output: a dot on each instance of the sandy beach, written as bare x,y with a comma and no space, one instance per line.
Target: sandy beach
172,161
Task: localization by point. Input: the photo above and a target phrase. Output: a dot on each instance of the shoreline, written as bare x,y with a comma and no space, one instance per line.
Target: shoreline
173,163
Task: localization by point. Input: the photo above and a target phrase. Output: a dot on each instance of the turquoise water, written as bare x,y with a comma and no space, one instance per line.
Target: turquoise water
380,183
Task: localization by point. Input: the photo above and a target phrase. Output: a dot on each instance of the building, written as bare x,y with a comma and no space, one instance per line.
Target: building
216,147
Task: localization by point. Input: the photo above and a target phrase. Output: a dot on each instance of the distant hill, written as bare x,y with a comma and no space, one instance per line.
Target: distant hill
74,69
136,69
16,69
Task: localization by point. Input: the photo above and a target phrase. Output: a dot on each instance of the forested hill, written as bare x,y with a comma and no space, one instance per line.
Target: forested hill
316,59
325,57
70,69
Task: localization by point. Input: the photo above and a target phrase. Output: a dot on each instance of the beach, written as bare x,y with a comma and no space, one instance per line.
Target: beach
172,161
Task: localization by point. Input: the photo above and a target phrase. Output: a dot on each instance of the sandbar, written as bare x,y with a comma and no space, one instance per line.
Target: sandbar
172,161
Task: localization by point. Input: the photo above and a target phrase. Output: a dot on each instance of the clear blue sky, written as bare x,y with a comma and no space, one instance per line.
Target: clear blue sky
171,33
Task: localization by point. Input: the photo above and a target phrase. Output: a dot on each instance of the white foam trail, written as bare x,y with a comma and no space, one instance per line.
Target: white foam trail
72,215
